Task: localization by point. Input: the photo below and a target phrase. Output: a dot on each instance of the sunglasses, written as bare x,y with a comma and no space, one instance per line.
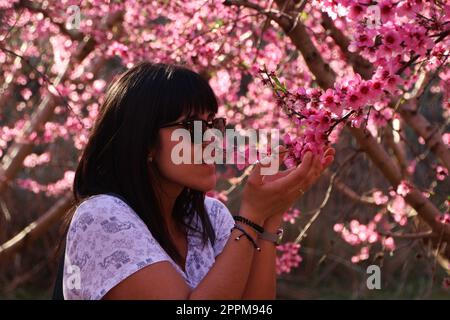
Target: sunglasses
217,123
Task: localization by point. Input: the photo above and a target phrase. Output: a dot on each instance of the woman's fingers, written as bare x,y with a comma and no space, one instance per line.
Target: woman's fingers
279,174
292,179
327,161
295,181
315,170
329,151
327,158
302,176
255,177
312,176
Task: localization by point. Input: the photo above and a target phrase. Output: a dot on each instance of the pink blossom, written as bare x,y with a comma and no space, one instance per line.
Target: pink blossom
338,227
446,139
365,38
391,40
329,99
409,8
441,173
355,12
291,215
445,218
379,197
98,85
33,159
399,210
354,101
26,93
403,188
386,9
389,243
118,49
288,257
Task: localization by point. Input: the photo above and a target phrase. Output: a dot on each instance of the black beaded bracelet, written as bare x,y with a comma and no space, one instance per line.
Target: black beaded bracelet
245,233
250,223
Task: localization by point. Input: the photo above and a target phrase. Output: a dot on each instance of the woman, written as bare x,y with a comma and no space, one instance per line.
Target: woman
143,227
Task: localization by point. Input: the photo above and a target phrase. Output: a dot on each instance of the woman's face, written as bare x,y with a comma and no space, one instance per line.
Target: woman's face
166,157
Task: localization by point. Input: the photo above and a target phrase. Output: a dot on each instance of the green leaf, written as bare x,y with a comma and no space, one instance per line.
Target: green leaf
278,85
303,16
218,23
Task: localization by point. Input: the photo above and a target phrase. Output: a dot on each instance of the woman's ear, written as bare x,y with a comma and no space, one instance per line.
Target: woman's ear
151,156
153,151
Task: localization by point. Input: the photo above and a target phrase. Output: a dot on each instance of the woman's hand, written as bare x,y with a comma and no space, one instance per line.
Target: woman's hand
271,195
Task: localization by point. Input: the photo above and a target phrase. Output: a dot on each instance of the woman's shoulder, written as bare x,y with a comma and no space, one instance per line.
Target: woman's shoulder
106,217
215,207
104,212
219,214
106,242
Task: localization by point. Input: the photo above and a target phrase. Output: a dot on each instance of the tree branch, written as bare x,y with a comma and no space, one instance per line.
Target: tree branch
350,193
37,228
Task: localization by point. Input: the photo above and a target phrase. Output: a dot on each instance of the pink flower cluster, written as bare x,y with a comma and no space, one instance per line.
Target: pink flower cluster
291,215
357,233
52,189
391,34
34,160
364,235
404,188
288,257
316,113
445,218
441,173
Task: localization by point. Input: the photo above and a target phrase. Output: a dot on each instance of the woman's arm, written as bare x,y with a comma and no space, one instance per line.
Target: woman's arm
262,279
225,280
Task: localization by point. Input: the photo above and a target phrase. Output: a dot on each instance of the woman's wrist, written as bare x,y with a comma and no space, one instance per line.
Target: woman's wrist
251,215
273,223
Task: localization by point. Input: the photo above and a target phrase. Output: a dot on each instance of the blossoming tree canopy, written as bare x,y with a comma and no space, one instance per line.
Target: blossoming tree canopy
316,70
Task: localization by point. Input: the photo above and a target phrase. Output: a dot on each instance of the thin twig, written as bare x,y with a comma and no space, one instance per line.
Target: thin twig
419,235
325,200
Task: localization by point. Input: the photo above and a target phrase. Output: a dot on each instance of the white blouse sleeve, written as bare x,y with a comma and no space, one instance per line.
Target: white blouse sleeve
106,243
222,221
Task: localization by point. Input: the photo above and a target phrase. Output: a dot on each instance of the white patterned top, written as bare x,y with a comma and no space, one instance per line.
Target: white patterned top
107,242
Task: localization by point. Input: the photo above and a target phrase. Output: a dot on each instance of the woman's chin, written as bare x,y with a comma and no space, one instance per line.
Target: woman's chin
204,184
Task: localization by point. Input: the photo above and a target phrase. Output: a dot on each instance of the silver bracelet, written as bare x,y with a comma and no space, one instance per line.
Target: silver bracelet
276,238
